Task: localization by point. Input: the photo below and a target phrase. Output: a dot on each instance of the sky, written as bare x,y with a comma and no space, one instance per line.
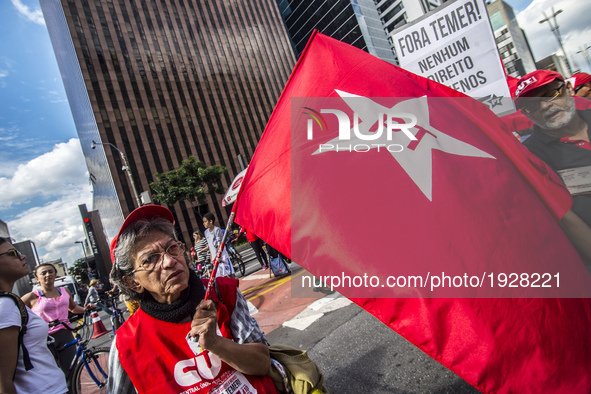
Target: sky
43,175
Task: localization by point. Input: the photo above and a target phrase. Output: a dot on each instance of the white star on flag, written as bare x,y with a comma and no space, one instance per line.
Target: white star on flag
417,162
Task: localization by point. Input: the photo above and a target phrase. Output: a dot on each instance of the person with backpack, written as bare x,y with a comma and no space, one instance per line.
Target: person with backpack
26,363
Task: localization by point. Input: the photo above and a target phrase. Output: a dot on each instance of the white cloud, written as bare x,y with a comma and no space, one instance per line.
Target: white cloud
33,14
3,74
61,178
573,24
56,173
55,226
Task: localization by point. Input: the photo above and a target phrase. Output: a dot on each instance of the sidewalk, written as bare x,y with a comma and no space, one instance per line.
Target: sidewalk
272,297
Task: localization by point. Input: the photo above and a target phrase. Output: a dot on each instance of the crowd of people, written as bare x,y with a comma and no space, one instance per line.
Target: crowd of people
210,343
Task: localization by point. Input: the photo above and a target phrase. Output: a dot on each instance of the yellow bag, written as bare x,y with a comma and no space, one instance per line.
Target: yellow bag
292,371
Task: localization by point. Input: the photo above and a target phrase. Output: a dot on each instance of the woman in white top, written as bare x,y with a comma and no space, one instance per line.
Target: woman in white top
44,376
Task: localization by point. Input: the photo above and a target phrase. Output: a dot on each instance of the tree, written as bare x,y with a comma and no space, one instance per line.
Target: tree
192,181
79,270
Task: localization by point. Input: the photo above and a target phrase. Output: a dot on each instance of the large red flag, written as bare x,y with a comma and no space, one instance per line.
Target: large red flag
461,196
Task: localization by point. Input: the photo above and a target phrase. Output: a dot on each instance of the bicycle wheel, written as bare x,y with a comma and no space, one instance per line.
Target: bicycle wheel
238,265
98,364
118,320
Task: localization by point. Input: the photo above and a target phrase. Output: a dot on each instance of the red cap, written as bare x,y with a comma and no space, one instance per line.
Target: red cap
144,212
534,80
581,79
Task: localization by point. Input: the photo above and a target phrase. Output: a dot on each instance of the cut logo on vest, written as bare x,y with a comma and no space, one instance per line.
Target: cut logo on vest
201,369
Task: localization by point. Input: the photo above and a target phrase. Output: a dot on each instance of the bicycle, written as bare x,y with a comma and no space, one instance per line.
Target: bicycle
117,318
88,371
236,260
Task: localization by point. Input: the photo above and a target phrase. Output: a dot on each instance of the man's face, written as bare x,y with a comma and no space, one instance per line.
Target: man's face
584,90
551,106
208,223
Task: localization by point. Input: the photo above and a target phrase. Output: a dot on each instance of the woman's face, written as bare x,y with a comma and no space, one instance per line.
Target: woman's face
45,275
11,265
169,277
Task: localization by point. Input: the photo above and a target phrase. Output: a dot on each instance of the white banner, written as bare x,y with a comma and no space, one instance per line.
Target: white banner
455,46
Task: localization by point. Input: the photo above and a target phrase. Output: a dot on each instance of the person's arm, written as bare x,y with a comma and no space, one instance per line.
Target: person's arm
579,234
30,299
8,358
91,297
72,306
248,358
242,231
119,381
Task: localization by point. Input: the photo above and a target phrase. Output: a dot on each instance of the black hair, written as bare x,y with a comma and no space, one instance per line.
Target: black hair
4,240
209,216
45,265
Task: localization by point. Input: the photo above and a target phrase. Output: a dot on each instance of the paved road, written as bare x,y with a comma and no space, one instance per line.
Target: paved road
356,352
359,354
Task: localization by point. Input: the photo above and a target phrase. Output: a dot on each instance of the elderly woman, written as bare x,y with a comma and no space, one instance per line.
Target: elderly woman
177,341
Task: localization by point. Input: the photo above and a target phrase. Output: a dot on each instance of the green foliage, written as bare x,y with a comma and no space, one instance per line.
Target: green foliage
193,181
79,271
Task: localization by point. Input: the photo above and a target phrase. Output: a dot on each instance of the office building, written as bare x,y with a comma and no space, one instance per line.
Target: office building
4,230
365,24
29,249
354,22
160,81
555,63
511,40
397,13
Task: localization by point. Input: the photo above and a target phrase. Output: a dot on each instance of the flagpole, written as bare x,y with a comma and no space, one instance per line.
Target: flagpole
216,261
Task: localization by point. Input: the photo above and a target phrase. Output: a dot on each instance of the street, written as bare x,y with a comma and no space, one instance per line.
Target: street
355,351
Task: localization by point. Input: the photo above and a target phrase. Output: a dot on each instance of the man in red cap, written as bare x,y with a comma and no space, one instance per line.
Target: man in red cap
582,85
561,133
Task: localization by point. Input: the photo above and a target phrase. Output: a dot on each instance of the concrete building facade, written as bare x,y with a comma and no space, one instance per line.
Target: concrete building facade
165,80
555,63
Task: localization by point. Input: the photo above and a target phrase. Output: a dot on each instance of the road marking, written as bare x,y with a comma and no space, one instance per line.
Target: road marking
251,308
303,322
272,285
255,277
316,310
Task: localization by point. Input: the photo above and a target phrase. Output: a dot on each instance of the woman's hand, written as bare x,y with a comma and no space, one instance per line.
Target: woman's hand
204,324
248,358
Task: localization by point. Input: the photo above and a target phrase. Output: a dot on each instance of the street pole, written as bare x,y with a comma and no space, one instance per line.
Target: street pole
241,162
88,270
556,32
125,168
585,53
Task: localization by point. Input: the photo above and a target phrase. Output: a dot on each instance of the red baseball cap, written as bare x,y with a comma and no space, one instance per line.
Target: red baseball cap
144,212
534,80
581,79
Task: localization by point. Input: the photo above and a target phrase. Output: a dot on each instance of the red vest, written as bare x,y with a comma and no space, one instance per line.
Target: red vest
158,358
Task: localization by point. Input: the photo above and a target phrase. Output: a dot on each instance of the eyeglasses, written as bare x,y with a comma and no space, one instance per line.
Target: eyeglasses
580,87
13,253
154,260
534,103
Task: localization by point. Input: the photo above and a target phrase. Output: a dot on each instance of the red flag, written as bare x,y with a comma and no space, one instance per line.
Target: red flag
461,196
